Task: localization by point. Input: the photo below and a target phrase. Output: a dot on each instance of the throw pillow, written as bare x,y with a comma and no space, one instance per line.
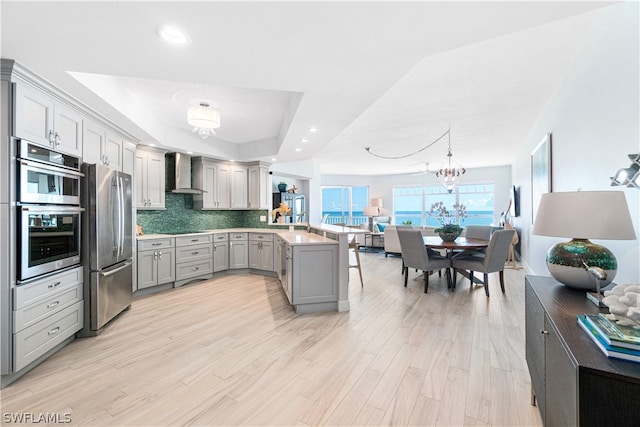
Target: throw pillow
380,228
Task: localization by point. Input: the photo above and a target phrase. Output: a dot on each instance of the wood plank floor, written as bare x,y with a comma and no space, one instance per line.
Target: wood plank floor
231,351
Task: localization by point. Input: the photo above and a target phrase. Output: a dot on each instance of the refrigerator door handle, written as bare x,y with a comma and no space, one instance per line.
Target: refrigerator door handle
114,271
121,216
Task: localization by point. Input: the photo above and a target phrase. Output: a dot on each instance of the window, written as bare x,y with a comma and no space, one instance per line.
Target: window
343,204
413,203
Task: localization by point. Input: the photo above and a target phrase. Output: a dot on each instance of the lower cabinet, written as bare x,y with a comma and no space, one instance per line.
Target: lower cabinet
194,257
156,262
574,383
238,250
261,251
220,252
313,272
46,312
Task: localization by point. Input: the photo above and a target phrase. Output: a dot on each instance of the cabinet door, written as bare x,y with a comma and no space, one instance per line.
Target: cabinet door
129,158
147,269
67,128
166,266
33,119
239,188
315,274
220,256
113,151
561,379
239,254
93,140
534,346
255,255
266,256
209,198
140,192
223,186
155,180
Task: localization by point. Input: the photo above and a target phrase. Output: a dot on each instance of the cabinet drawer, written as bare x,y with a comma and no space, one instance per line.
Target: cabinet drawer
193,240
261,237
34,341
193,269
194,253
29,315
40,289
238,236
221,237
145,245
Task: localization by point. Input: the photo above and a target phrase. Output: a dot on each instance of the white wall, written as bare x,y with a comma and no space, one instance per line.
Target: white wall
594,121
382,185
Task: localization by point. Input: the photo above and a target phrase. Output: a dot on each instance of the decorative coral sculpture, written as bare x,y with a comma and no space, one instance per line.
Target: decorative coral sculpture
624,304
283,209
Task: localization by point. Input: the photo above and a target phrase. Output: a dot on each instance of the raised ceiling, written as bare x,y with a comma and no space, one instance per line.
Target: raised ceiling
392,76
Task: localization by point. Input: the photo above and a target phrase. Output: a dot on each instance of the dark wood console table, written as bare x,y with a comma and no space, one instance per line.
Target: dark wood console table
573,382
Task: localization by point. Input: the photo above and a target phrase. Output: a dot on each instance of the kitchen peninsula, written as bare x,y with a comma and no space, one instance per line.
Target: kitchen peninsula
312,265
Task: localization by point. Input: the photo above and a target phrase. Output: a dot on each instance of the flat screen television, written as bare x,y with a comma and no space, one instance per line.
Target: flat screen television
514,210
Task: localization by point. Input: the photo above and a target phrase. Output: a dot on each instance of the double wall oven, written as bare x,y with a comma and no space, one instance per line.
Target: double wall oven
48,210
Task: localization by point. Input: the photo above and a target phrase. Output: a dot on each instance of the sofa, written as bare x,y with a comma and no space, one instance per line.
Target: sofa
376,238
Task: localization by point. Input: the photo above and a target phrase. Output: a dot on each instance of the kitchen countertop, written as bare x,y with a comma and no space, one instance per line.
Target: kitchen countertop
299,237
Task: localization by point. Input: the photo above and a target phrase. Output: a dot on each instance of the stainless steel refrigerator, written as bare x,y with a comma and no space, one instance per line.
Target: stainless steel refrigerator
107,245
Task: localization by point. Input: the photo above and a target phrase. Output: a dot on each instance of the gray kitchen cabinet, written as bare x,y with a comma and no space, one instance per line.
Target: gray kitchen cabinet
314,274
239,187
46,312
128,157
259,186
214,178
105,147
238,250
44,120
194,258
220,252
156,262
149,178
261,251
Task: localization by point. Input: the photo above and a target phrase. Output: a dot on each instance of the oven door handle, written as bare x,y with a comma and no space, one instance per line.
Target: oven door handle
68,173
114,271
51,209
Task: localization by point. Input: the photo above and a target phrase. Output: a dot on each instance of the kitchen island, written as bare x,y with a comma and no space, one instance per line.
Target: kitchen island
312,265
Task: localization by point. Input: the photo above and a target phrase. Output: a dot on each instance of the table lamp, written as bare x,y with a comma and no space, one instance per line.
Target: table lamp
372,210
583,215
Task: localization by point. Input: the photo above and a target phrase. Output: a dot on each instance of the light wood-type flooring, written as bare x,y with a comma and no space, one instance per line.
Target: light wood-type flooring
231,351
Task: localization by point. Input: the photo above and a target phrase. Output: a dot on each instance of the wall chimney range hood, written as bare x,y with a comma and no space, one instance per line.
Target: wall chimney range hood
178,174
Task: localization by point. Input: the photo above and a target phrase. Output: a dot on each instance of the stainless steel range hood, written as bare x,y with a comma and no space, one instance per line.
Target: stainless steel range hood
178,174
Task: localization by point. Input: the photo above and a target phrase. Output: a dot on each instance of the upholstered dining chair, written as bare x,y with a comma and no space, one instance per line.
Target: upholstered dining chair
490,262
481,232
353,246
414,255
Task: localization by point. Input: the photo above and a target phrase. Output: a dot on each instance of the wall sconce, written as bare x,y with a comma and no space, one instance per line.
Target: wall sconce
630,176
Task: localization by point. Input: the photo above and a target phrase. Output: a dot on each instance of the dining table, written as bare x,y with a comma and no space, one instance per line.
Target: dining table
459,244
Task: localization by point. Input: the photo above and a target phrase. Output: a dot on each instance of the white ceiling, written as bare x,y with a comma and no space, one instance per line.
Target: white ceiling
392,76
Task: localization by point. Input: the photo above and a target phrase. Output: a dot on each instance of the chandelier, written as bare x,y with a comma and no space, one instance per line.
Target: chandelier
204,119
449,176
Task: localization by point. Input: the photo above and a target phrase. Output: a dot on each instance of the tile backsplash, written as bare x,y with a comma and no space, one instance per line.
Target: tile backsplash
180,216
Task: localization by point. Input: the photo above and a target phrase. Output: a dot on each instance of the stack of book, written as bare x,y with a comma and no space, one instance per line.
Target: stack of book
616,341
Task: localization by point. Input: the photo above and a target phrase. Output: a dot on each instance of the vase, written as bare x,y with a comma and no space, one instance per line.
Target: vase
449,237
282,187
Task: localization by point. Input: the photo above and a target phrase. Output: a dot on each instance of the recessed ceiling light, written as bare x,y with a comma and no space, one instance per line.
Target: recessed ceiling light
313,129
298,149
174,36
152,145
189,152
273,159
305,140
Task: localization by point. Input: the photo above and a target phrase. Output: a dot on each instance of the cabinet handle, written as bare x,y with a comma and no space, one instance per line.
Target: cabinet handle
195,268
51,139
53,285
156,244
155,255
57,140
543,332
53,304
195,240
159,255
195,252
54,330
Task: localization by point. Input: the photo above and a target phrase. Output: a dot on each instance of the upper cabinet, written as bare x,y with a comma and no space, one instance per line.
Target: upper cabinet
230,185
42,119
149,179
259,186
105,147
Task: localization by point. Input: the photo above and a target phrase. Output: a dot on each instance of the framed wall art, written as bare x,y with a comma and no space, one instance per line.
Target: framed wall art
540,173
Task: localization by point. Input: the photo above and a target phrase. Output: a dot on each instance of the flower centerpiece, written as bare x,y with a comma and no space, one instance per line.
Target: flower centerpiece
449,228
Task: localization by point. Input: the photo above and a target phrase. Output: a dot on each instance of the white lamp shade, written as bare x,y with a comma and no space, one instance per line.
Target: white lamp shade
377,202
203,116
584,215
370,211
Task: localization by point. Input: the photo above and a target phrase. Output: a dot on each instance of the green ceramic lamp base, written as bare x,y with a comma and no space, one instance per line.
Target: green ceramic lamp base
565,262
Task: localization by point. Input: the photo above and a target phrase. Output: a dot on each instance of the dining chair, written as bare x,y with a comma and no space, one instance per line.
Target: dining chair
353,246
492,261
482,232
414,255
